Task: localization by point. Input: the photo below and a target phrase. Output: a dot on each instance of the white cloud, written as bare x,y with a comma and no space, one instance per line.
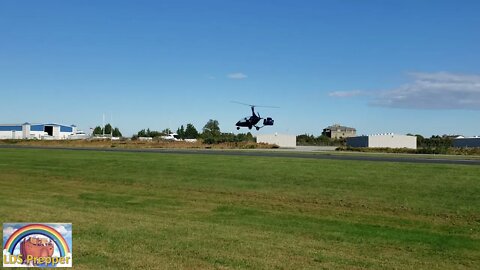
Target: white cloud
8,231
237,76
62,230
441,90
344,94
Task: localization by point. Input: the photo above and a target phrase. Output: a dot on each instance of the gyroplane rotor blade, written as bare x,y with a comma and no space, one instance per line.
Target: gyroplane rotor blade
255,106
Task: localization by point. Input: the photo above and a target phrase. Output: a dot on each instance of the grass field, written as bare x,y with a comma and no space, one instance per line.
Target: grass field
166,211
135,144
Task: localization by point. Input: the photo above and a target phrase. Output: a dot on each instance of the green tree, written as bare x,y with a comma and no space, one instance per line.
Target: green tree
245,137
306,139
116,132
420,140
108,129
324,140
181,132
211,129
227,137
149,133
211,132
191,132
154,134
142,133
97,131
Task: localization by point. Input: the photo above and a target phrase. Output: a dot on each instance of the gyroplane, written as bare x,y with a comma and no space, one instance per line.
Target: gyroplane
255,118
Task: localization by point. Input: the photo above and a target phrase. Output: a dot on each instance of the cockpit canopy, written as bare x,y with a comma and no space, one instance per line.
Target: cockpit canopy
243,119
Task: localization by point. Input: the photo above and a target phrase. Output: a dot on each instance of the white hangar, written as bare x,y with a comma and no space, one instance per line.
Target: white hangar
282,140
37,131
388,140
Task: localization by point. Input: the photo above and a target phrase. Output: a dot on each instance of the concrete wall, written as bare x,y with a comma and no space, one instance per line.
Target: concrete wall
25,130
383,141
282,140
466,142
37,135
393,141
11,134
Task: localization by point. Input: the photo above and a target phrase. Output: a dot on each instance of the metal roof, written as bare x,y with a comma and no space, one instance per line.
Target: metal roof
35,124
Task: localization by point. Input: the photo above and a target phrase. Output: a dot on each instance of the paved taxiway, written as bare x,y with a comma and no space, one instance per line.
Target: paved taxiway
271,153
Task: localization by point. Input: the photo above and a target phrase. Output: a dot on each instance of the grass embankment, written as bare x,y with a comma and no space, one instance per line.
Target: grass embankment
157,211
98,143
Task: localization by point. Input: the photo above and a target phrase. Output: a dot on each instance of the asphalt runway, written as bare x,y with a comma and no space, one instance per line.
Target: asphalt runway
267,153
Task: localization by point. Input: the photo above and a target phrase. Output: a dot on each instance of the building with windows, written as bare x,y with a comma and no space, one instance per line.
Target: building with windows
37,131
337,131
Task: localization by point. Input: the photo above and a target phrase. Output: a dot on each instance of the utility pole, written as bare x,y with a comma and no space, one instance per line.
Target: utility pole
103,127
111,126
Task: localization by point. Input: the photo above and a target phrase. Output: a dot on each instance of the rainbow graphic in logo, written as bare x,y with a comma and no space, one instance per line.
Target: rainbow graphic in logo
37,244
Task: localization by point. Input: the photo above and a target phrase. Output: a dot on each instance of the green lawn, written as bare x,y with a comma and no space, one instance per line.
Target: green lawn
157,211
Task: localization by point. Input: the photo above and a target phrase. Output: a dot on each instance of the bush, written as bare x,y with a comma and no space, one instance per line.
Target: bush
209,140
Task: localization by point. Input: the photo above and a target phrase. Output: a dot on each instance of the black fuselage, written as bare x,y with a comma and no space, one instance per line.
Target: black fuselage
249,121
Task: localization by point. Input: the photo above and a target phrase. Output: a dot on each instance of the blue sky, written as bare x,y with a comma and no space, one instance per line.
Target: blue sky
378,66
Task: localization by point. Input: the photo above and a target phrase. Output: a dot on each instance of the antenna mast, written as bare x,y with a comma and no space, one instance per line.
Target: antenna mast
103,127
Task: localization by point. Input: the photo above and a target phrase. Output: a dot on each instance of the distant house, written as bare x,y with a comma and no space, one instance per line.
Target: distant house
337,131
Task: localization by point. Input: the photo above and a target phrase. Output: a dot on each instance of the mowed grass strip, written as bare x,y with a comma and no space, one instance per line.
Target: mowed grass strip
164,211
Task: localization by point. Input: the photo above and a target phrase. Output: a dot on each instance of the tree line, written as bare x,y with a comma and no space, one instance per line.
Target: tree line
190,132
210,133
107,130
322,140
434,142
